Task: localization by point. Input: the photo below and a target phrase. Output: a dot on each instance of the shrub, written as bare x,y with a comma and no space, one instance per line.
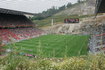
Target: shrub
91,62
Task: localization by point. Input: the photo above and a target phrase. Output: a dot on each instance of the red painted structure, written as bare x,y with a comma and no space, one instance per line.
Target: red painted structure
71,20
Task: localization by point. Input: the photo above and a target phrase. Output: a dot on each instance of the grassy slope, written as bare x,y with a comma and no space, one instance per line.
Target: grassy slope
54,45
59,18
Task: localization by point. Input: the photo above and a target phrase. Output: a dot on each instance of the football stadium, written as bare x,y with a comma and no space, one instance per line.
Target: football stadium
20,33
69,37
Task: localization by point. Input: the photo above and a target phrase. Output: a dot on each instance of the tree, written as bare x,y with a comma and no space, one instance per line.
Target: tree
62,8
69,5
79,1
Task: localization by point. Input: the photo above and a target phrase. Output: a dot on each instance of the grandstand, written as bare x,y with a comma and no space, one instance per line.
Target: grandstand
14,25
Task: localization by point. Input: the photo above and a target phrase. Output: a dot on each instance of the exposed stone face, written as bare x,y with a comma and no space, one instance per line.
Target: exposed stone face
95,28
91,2
86,8
65,29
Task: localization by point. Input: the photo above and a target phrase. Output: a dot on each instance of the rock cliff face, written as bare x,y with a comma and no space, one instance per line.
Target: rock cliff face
65,29
95,28
88,26
86,8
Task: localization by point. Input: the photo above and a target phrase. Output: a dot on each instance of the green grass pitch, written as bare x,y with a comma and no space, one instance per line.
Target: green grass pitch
53,45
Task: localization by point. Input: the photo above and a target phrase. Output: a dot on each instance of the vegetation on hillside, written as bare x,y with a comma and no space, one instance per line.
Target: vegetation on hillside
57,19
45,18
50,12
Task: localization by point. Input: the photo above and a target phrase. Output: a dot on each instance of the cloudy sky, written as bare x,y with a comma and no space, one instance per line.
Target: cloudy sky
32,6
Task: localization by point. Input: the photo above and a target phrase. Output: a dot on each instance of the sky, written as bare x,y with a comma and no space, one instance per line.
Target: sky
33,6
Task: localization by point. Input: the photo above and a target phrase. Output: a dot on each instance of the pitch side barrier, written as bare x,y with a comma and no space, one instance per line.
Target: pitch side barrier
71,20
